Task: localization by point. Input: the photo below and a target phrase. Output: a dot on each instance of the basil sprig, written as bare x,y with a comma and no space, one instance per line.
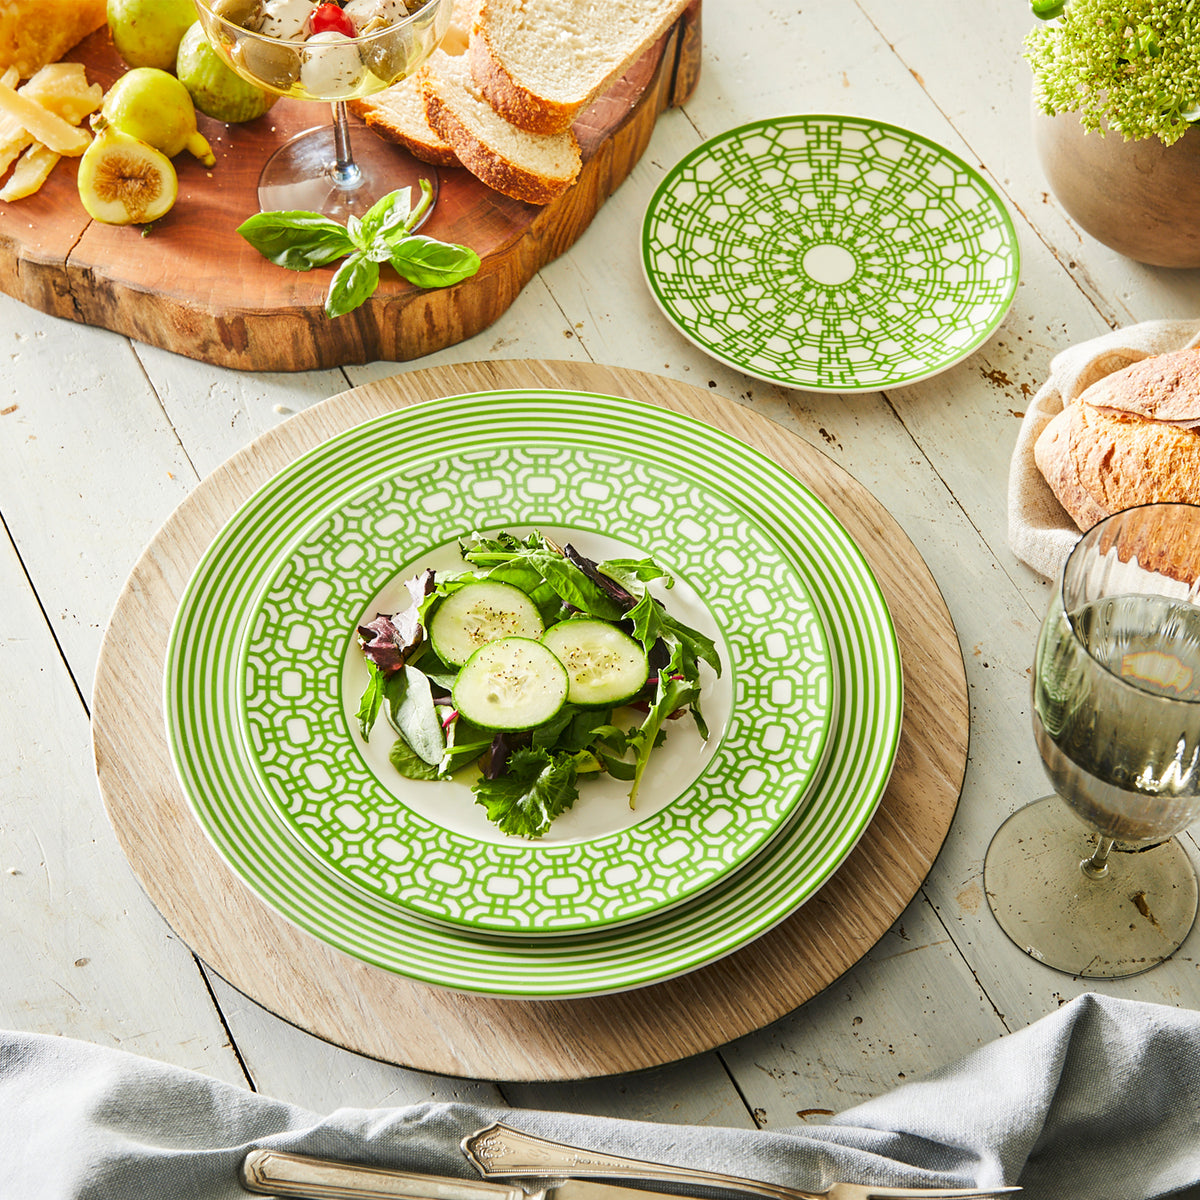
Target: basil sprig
301,241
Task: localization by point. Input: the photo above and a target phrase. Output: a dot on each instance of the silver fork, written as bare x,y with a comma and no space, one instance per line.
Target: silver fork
501,1151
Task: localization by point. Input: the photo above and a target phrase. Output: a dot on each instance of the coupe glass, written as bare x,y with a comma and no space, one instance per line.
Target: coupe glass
1092,880
319,171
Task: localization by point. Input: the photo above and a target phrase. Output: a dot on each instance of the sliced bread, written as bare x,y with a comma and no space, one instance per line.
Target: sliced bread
397,114
527,166
540,62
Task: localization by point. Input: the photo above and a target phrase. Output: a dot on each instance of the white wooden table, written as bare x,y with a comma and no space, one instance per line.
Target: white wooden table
101,437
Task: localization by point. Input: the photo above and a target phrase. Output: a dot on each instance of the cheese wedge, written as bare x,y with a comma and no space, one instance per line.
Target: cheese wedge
36,32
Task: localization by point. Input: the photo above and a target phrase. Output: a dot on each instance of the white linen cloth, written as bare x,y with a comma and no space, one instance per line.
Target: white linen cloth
1097,1101
1039,531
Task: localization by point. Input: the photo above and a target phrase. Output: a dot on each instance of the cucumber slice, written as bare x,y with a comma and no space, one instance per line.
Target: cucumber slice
605,665
479,613
511,683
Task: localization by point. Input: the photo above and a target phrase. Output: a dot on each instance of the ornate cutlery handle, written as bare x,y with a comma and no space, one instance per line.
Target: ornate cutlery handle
280,1174
500,1150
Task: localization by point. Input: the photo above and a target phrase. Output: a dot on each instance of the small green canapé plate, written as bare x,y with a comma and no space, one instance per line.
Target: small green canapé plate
830,253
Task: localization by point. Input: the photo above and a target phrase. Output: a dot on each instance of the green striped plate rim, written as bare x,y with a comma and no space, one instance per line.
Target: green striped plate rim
203,694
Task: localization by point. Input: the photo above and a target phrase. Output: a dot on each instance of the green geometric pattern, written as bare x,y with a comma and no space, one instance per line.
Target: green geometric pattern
382,830
830,253
204,674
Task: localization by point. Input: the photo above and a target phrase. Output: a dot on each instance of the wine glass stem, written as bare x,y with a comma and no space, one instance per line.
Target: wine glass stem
345,172
1096,867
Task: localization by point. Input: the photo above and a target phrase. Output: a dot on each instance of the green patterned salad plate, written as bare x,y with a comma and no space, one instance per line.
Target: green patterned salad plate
263,672
830,253
704,806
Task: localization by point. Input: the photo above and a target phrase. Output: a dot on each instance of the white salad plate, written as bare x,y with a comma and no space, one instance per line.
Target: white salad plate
262,654
830,253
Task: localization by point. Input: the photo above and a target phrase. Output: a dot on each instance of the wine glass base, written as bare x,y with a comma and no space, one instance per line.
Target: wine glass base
303,175
1130,920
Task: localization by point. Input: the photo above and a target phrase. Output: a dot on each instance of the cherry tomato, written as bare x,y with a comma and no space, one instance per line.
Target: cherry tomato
328,18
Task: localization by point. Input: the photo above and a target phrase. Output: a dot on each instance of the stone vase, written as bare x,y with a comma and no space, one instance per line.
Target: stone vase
1139,198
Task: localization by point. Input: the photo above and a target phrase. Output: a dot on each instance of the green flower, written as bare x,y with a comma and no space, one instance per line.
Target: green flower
1128,65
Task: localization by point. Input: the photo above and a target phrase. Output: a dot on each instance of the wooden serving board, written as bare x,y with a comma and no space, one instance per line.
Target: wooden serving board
193,286
382,1015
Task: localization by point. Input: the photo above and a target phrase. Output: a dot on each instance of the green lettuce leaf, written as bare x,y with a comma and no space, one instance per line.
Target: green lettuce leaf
537,787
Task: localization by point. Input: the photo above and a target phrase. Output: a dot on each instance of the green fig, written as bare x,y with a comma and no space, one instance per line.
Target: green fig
153,106
147,33
123,181
216,90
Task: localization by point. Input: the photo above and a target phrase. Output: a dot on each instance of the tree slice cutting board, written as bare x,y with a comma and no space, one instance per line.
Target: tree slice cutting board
193,286
382,1015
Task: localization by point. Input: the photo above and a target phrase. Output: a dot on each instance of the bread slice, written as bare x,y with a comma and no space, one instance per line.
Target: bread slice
531,167
397,114
540,62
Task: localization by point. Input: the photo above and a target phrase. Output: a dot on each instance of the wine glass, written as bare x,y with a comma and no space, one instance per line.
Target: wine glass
1092,880
319,170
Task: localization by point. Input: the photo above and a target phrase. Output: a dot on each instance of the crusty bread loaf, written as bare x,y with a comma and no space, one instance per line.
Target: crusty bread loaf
1131,438
36,32
540,62
397,113
531,167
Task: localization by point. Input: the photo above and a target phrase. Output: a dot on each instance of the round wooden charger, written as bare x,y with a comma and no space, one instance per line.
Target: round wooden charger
374,1012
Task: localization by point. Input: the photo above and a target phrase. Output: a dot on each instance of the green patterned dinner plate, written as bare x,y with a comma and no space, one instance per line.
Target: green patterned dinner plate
703,501
830,253
705,806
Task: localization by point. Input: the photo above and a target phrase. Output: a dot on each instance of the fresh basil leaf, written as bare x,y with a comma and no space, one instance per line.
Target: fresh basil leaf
352,283
574,586
414,716
388,215
409,763
354,231
296,240
428,263
521,575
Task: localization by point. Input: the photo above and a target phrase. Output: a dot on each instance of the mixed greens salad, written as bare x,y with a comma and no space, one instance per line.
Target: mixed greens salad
537,666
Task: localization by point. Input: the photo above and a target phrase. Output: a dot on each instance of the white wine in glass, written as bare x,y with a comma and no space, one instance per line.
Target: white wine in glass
320,170
1092,880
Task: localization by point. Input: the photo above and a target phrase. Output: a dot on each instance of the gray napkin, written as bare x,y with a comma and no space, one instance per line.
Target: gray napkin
1098,1101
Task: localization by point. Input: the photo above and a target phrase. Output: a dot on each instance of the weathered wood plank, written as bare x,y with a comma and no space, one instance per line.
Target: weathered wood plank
84,954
